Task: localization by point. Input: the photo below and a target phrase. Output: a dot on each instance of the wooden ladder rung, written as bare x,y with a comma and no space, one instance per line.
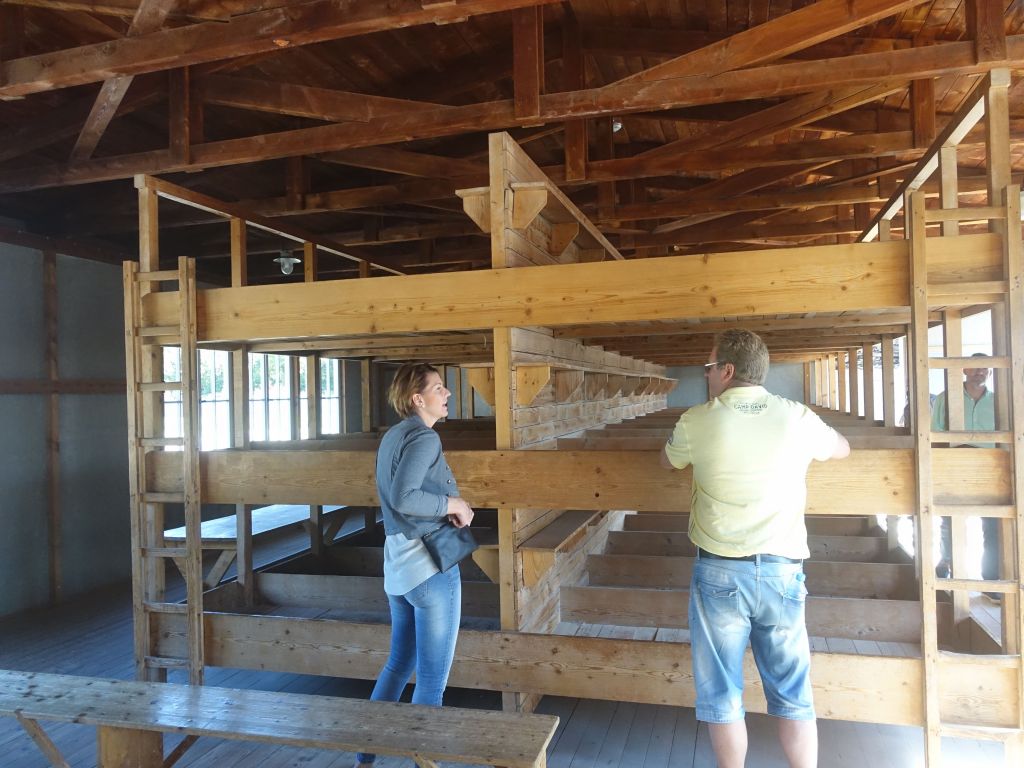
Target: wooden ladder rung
175,608
977,732
158,330
974,510
977,585
162,275
161,442
163,497
168,552
166,662
160,386
951,363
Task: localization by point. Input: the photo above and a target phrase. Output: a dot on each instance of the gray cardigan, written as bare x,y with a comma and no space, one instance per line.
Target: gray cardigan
413,479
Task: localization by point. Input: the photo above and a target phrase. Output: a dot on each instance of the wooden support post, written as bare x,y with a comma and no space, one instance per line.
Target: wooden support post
952,339
807,383
915,214
128,748
888,383
985,28
854,382
868,350
240,418
365,373
843,406
833,391
528,60
179,109
150,574
573,78
922,112
53,512
948,180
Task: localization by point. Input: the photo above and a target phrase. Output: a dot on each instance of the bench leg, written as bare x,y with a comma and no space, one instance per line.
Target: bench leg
128,748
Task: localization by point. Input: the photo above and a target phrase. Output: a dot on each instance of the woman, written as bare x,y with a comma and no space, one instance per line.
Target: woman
417,491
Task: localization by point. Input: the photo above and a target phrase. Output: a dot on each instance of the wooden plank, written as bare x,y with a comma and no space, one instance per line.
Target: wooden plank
636,671
880,480
861,549
890,620
887,581
54,534
357,593
845,278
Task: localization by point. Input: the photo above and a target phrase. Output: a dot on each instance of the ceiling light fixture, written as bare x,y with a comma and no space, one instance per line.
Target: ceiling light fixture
287,262
616,125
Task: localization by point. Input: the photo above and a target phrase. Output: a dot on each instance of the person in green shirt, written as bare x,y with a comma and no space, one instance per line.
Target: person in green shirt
979,416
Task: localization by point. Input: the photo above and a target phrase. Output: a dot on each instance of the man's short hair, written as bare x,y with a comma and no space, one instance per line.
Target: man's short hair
747,353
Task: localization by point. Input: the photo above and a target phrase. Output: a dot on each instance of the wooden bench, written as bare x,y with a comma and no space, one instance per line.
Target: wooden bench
131,718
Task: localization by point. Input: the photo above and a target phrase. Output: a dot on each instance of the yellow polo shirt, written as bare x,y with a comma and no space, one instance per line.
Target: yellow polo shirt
750,451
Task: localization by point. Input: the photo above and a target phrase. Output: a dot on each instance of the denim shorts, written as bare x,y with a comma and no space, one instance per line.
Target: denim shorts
736,601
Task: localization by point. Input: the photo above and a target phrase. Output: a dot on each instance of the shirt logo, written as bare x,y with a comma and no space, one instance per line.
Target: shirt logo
750,407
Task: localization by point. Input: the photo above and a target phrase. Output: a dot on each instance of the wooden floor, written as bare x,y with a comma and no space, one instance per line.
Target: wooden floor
91,636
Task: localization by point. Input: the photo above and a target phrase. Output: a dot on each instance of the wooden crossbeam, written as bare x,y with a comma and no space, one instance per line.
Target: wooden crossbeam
149,17
778,37
253,33
880,480
22,75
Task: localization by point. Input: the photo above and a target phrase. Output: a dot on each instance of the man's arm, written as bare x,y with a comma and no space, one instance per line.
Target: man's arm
665,460
842,449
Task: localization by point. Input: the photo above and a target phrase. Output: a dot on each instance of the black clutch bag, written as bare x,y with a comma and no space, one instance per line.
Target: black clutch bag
449,545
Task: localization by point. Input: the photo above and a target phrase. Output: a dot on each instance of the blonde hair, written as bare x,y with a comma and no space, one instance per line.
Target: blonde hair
746,351
410,379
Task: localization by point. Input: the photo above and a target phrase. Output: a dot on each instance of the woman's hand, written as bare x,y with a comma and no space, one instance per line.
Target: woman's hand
459,512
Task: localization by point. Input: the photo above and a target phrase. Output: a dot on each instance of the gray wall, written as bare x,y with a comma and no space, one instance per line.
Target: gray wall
786,379
92,468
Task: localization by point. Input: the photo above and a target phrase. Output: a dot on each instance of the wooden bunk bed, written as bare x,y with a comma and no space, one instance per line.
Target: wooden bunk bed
560,446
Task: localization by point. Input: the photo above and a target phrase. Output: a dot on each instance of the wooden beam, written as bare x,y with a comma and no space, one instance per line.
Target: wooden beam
303,100
774,80
844,278
149,17
776,38
258,32
880,480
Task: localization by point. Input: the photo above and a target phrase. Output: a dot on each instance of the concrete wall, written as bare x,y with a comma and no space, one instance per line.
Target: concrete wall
92,465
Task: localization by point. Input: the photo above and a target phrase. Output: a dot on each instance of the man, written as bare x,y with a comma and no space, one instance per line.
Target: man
750,451
979,416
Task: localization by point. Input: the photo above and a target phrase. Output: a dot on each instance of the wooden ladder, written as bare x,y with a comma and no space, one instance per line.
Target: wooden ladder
1007,294
150,553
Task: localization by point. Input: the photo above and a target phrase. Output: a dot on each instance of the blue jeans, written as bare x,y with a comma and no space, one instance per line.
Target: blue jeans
424,625
731,602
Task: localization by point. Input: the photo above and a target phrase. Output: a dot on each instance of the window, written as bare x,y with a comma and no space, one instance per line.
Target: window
303,401
214,398
270,415
330,396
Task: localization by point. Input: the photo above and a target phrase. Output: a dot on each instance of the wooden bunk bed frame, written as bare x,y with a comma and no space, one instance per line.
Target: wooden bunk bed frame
543,388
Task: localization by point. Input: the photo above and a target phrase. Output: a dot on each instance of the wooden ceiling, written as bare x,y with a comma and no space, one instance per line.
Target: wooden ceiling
679,126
